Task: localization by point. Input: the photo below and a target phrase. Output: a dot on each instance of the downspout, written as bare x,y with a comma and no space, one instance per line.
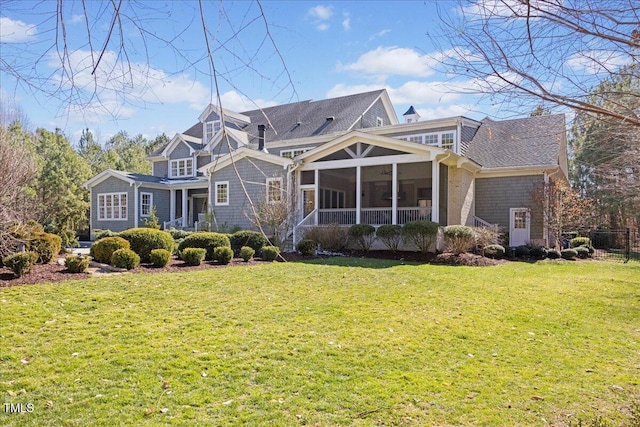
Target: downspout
435,189
135,206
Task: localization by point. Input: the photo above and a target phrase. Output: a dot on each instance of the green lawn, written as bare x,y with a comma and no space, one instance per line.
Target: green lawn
329,342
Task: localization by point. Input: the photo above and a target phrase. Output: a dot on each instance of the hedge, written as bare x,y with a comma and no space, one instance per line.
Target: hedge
206,240
144,240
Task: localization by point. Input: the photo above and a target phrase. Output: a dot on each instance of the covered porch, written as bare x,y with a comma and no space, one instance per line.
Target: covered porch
188,209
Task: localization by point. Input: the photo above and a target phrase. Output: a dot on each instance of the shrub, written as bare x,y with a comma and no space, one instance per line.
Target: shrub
193,256
246,253
582,251
46,245
568,254
331,238
522,251
223,254
68,237
486,236
253,239
160,257
553,254
538,252
178,234
206,240
494,251
270,253
580,241
102,249
76,263
424,234
390,236
21,262
459,239
125,258
144,240
306,247
101,234
362,236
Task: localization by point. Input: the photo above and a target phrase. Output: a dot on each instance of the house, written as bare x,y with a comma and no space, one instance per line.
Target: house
344,160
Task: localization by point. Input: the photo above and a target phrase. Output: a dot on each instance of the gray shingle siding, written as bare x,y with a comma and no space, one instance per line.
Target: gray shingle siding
203,160
468,133
254,173
161,169
112,185
161,200
369,119
180,152
495,196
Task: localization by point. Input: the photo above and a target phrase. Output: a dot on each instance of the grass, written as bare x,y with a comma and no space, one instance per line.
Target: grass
329,342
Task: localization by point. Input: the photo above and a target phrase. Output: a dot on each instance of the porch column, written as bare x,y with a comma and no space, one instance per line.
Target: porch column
172,205
316,194
394,193
435,190
184,207
358,192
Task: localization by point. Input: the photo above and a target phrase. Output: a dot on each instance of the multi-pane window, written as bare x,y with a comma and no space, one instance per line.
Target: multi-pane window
436,139
274,190
146,202
447,140
211,128
181,168
290,154
112,206
379,121
222,193
431,139
520,219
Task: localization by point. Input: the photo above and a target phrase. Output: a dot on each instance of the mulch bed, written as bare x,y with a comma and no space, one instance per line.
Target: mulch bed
48,273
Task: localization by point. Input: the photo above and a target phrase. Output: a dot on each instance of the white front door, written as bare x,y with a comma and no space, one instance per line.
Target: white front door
519,226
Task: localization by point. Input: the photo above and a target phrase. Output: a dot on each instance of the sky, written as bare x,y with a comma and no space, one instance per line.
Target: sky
154,75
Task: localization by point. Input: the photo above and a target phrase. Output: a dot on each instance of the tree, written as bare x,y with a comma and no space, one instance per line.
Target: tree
606,152
275,218
18,169
62,200
525,51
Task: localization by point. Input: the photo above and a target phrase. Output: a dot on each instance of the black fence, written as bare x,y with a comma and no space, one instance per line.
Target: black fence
622,245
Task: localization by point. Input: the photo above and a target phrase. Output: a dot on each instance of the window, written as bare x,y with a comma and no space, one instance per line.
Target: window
222,193
146,203
274,190
181,168
210,129
290,154
379,121
112,206
447,140
431,139
520,219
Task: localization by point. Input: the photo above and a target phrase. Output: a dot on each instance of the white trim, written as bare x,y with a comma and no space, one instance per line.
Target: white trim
293,150
205,132
215,193
242,152
135,206
369,161
105,175
527,226
379,122
186,168
142,194
223,112
179,138
102,214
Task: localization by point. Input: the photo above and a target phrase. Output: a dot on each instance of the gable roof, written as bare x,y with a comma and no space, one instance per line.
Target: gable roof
128,177
242,152
527,142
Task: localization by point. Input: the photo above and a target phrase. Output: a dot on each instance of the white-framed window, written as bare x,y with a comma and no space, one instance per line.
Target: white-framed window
379,121
112,206
221,193
290,154
179,168
146,204
210,129
274,190
437,139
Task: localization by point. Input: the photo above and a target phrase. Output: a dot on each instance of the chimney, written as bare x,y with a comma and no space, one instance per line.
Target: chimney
261,147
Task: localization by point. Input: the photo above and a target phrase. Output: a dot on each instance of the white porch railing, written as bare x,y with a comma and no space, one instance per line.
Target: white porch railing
406,215
479,222
176,223
373,216
336,216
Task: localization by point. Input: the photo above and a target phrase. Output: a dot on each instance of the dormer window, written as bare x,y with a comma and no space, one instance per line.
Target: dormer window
379,121
181,168
210,129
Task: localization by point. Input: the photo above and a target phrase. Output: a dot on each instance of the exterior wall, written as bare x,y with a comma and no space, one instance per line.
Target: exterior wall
495,196
254,173
202,160
442,196
180,152
223,146
112,185
368,120
461,194
467,135
161,168
160,201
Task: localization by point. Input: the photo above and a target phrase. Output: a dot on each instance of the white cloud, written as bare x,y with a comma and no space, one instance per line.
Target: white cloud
446,111
319,16
77,18
16,31
393,61
235,101
346,22
597,61
508,8
379,34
